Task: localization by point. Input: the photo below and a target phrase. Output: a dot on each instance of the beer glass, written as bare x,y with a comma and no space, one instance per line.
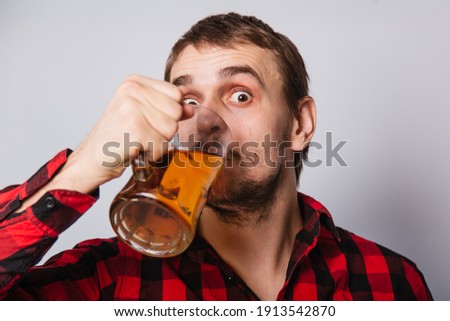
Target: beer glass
156,213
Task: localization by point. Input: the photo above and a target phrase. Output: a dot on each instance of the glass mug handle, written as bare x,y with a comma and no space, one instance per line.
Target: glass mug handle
141,168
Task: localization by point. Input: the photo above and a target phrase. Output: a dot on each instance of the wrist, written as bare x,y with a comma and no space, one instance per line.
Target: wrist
77,176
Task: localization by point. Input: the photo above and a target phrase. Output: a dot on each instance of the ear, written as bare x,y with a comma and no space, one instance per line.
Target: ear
304,124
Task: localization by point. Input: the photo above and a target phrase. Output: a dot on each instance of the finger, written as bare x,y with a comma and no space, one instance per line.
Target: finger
164,124
188,111
157,145
148,135
162,86
162,95
162,102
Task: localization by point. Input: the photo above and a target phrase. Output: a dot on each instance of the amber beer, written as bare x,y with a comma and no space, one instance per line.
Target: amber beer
157,211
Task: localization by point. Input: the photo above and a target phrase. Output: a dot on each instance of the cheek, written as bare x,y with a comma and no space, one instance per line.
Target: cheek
248,134
258,131
251,127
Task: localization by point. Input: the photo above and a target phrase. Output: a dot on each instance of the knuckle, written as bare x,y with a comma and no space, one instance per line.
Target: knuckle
170,129
134,78
177,95
171,90
130,85
177,112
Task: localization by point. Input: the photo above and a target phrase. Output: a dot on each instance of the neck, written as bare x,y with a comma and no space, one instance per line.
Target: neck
259,253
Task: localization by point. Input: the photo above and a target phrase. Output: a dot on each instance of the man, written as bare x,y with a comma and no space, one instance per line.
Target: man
258,238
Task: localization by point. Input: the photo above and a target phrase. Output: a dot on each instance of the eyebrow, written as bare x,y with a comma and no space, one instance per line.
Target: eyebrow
226,72
182,80
231,71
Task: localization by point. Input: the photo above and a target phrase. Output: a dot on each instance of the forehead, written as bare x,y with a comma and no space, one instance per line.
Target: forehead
206,60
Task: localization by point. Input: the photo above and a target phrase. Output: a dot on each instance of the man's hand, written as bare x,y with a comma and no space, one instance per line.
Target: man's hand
146,110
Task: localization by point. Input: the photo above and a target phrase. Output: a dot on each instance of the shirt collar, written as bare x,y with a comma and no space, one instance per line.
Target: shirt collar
314,215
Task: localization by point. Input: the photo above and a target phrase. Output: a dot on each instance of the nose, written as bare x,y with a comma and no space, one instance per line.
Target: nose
212,132
205,129
210,126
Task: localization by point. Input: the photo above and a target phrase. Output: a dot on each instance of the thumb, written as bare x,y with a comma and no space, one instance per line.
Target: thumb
188,111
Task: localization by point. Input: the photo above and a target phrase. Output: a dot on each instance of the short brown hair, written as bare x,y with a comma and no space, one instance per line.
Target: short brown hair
225,29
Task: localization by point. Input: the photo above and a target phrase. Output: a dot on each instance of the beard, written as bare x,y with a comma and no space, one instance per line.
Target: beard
244,201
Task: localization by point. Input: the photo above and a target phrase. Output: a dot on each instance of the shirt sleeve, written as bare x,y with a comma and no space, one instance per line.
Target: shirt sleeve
417,281
27,236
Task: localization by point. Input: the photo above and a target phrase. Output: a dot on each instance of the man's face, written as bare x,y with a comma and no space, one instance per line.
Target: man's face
242,85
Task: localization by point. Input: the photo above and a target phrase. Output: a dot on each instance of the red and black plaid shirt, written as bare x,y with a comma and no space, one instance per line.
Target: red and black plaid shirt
327,263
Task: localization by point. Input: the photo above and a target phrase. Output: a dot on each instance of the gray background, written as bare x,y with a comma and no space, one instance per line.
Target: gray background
380,74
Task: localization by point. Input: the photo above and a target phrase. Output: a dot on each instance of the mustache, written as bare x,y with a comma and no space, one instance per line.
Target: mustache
220,149
243,200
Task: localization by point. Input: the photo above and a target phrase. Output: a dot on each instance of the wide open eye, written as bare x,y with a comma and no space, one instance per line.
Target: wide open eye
191,101
240,97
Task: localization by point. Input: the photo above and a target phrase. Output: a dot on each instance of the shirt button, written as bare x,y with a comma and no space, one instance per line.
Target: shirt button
49,202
